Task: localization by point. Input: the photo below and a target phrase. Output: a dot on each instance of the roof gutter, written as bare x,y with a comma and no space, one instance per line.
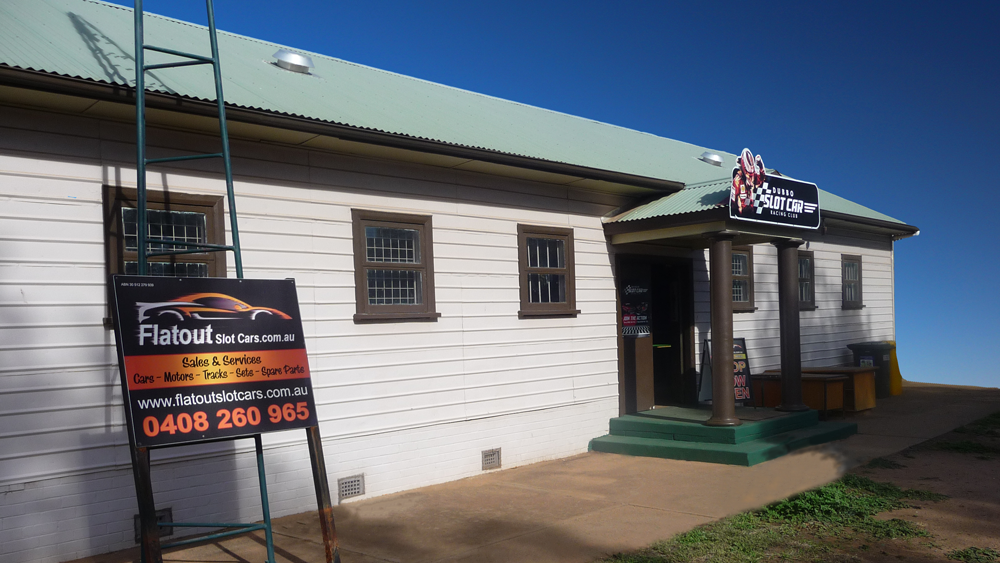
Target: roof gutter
904,230
59,84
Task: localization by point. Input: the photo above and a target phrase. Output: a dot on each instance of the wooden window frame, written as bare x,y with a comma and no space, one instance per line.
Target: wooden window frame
745,306
809,305
116,197
369,313
537,310
860,302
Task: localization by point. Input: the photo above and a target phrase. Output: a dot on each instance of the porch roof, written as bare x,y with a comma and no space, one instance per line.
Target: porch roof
715,194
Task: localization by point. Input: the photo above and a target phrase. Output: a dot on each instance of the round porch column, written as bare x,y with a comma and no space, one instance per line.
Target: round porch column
788,312
721,274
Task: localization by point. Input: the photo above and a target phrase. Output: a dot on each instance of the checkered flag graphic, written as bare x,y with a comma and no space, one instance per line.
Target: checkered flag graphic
756,194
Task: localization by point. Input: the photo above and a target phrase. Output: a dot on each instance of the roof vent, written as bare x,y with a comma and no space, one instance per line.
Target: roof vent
293,61
711,158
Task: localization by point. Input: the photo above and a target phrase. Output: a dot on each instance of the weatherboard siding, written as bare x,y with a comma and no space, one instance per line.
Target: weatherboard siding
827,330
407,404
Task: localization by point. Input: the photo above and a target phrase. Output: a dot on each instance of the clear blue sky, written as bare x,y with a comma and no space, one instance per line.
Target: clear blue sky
894,105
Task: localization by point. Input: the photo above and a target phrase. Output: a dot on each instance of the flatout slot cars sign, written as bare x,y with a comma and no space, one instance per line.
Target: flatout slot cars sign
209,358
758,196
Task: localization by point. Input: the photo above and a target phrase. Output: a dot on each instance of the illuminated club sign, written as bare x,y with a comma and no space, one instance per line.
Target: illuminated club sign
208,358
758,196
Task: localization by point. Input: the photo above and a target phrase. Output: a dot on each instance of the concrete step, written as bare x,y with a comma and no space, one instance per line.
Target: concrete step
746,453
687,425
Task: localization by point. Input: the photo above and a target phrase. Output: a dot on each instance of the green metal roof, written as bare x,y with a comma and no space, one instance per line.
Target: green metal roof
94,40
716,194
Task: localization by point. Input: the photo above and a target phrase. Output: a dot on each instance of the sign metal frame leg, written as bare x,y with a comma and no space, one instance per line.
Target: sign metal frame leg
151,550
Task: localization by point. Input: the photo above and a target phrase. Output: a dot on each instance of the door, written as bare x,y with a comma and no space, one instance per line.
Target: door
657,360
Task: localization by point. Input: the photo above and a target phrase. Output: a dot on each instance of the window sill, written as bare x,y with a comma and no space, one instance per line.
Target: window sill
365,318
807,307
547,314
744,310
852,307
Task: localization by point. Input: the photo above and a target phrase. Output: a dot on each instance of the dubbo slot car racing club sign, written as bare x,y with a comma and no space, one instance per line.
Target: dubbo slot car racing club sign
208,358
767,198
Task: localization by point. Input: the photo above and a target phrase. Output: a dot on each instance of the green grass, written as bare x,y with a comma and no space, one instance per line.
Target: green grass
743,538
975,555
967,447
843,509
986,426
883,463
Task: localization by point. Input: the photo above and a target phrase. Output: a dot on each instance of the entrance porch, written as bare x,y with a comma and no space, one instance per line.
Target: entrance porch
681,433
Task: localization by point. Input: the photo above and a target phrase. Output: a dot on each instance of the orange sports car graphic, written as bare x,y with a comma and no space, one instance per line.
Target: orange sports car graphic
205,307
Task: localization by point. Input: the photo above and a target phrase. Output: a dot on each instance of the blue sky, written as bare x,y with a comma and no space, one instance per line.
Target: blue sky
893,105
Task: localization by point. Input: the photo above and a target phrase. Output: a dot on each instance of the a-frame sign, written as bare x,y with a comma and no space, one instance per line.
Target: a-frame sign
208,359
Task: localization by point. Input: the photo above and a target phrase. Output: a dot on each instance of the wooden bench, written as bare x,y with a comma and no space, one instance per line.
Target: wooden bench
859,391
859,387
823,392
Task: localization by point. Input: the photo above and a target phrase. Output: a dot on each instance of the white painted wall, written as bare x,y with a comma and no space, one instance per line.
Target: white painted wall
407,404
826,331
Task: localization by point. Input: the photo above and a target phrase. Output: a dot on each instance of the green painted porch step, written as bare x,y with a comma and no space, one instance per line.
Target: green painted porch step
687,425
746,453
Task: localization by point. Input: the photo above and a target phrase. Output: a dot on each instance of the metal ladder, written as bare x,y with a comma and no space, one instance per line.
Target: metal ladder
141,161
151,548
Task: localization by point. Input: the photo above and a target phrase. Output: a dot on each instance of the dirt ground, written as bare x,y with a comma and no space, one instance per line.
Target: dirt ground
965,466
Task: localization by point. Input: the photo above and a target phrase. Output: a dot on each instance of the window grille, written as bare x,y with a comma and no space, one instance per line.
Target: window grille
183,226
807,286
401,246
545,266
851,282
179,269
742,264
393,267
394,287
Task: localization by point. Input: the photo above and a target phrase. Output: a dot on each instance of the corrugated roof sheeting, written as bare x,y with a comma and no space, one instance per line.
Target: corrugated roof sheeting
688,200
94,40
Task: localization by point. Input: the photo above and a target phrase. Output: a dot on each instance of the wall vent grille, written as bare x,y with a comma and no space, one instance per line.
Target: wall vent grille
491,459
352,486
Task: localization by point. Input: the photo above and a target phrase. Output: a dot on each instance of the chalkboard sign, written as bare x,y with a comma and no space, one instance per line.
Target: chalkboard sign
741,371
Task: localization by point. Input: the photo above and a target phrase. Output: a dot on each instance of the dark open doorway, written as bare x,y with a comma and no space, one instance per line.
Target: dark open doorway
658,367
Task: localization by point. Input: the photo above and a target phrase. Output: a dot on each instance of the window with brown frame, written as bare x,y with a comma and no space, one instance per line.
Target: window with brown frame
743,279
546,271
182,217
850,271
393,267
807,281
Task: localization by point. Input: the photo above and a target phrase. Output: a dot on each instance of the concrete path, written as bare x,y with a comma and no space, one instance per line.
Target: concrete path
585,507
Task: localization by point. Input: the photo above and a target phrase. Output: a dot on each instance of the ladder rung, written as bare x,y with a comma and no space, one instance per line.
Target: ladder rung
242,529
179,252
148,68
175,242
185,157
179,53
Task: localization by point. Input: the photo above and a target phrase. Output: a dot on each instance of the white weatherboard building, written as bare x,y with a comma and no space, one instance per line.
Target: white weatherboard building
472,352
